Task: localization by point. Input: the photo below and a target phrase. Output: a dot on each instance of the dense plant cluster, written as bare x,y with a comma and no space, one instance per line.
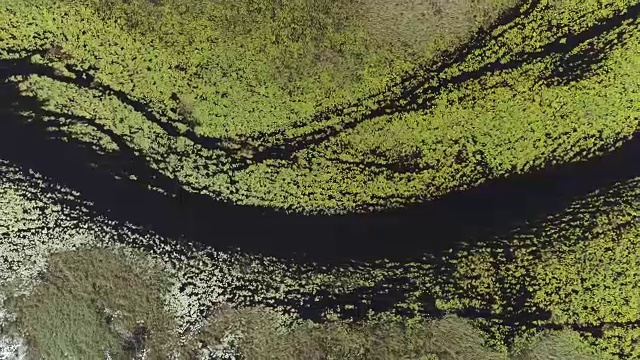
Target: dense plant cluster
553,90
571,271
575,270
320,107
90,290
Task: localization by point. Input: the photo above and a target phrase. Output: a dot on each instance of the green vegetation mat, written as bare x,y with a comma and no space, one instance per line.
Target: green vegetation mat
246,112
322,107
573,271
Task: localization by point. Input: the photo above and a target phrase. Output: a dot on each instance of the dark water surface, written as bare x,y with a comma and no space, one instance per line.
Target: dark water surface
492,208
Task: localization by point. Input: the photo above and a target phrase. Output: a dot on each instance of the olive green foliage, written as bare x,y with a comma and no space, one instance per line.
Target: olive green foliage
91,301
504,285
255,91
574,270
264,337
555,345
426,27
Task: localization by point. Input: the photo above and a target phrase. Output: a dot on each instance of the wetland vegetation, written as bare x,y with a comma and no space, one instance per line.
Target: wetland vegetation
326,179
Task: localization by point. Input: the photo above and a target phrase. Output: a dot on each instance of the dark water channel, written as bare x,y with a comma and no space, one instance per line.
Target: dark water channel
492,208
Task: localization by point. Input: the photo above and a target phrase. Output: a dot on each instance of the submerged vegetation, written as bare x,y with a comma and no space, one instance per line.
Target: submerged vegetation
317,107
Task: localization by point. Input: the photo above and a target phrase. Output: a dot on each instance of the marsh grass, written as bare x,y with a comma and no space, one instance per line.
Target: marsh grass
312,89
262,333
422,28
99,301
306,52
564,344
92,301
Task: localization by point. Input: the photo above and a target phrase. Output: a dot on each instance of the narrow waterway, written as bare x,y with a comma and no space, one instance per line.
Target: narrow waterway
492,208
